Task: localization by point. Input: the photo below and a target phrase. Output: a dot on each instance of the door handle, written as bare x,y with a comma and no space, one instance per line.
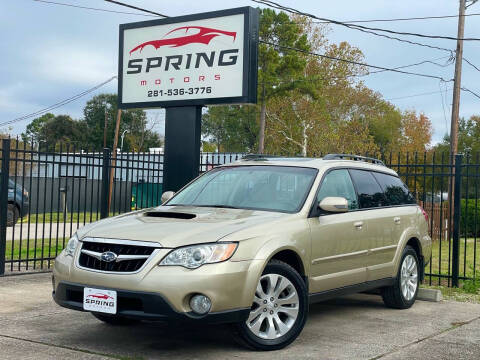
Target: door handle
396,220
358,225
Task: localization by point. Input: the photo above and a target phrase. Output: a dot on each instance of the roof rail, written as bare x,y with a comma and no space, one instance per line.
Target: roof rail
353,157
258,157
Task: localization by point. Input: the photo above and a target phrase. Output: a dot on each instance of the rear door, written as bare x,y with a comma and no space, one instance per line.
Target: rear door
380,222
400,211
339,243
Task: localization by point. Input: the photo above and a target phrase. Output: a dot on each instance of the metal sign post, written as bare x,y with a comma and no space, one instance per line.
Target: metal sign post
183,63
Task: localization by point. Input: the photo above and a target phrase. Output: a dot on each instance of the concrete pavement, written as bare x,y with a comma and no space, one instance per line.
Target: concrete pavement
353,327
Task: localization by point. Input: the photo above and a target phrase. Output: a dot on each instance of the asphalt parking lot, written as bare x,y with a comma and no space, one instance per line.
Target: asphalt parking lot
32,326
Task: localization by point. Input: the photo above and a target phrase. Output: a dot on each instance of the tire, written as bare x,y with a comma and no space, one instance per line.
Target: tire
287,312
12,215
398,296
115,320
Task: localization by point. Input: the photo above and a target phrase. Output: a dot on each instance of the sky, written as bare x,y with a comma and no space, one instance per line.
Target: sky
51,52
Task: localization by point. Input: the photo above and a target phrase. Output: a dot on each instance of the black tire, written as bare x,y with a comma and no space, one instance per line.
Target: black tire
244,336
392,295
114,320
12,215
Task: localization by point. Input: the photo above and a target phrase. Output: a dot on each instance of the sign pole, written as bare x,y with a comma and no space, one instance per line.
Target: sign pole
181,161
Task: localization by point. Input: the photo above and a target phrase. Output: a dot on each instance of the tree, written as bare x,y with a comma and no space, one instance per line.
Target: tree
276,64
33,129
232,128
416,132
138,138
468,137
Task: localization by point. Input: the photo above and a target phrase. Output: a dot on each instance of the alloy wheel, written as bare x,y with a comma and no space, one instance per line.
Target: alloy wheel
275,307
409,277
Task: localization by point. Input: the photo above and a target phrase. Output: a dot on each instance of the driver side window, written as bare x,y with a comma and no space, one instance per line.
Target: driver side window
338,183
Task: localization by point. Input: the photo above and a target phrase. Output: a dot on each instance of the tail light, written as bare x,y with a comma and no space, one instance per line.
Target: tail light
425,214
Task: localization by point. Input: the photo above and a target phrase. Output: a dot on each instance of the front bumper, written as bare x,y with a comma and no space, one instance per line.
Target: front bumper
144,306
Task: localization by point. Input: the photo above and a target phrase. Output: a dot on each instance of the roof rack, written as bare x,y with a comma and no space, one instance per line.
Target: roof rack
353,157
258,157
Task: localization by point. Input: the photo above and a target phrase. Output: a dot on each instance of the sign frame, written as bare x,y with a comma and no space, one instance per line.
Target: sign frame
250,59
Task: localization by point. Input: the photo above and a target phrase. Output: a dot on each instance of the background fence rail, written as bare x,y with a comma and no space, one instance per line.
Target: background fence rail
53,192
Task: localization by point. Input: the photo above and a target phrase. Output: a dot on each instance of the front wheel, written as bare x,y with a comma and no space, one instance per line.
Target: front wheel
279,310
12,215
403,293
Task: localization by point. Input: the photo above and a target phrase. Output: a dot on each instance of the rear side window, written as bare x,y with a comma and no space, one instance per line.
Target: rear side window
370,194
396,192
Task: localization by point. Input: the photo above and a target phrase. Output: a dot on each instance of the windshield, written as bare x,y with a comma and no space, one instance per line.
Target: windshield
270,188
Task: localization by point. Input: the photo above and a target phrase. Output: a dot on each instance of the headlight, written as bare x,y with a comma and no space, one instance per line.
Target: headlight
194,256
71,245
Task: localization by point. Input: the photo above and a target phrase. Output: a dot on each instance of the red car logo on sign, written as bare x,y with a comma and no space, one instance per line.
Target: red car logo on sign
100,296
204,36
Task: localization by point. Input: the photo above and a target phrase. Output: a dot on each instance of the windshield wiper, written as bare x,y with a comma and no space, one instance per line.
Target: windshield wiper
219,206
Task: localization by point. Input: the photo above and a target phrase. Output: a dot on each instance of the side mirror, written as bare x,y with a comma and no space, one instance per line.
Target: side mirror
334,204
167,195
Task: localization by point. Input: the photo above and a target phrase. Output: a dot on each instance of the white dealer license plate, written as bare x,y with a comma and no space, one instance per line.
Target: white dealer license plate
99,300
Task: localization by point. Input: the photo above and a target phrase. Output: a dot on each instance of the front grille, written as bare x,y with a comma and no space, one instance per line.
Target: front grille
130,265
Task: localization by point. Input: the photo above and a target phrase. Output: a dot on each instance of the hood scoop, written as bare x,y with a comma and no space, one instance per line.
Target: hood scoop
170,215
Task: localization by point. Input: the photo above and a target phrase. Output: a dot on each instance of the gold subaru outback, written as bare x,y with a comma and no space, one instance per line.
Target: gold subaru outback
252,244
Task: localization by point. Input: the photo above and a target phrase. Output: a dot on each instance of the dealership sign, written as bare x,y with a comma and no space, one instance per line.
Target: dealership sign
208,58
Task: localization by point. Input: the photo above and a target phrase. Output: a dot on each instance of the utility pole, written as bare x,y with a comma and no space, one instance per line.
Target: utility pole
457,82
105,129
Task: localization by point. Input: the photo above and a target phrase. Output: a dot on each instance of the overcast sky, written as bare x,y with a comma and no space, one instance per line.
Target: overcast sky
51,52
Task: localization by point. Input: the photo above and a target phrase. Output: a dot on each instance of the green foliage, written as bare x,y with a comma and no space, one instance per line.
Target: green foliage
87,133
471,286
278,65
468,136
232,128
34,129
470,217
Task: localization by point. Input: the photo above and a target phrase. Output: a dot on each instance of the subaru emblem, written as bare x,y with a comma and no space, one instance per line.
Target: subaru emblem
108,256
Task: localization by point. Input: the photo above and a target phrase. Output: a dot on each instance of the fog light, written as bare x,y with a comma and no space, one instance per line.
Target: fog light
200,304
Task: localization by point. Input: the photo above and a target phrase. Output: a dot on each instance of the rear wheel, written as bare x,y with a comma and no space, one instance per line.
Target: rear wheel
12,215
403,293
114,319
279,310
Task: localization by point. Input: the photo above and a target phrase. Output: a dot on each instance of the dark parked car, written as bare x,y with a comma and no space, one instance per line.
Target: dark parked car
18,202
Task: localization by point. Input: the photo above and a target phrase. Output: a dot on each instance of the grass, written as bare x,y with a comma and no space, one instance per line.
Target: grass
29,249
462,293
60,217
468,266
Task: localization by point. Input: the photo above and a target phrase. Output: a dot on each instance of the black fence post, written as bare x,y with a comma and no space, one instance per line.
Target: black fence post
4,201
105,183
456,220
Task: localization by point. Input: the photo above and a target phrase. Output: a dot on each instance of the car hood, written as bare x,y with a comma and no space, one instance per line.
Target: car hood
173,226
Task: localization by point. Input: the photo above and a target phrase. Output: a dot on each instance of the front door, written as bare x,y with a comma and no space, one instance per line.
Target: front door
339,243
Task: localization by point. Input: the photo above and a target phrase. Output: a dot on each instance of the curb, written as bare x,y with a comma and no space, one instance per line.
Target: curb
432,295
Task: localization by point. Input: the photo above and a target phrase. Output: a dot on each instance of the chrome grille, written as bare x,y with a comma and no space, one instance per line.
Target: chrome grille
129,257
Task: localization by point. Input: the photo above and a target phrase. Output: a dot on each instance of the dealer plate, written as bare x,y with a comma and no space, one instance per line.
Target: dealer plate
98,300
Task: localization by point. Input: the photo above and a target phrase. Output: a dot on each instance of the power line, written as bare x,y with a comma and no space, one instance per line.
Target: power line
472,65
470,91
357,27
58,104
400,19
449,62
416,95
355,62
92,8
135,7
